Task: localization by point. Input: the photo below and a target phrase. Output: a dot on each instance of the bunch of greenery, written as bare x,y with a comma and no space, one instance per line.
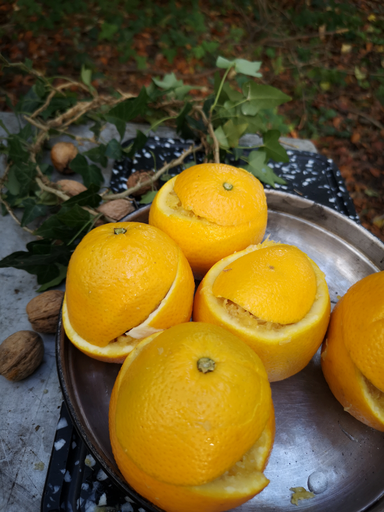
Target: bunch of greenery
238,105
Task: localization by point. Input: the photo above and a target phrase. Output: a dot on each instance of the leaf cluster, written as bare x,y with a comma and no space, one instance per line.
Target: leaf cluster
237,106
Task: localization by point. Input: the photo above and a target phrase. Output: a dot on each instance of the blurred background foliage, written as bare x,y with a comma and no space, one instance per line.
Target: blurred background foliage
328,55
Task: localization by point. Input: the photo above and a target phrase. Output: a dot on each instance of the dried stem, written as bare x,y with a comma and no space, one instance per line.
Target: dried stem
156,176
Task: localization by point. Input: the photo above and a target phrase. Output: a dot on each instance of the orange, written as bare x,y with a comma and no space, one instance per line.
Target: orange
275,298
125,281
211,210
352,356
191,419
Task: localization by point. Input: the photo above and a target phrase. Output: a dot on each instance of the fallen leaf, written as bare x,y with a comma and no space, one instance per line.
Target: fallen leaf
322,32
336,121
355,137
375,172
346,48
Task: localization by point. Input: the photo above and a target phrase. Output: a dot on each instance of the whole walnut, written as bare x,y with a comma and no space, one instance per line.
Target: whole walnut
20,355
140,177
71,187
62,155
116,209
43,311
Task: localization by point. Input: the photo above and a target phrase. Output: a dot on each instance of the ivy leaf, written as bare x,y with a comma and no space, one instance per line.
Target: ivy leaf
232,94
128,110
266,95
259,168
248,68
182,126
89,197
221,137
113,150
74,217
241,66
97,154
137,145
32,211
233,132
54,229
169,82
148,197
86,75
54,281
4,127
29,103
273,147
16,150
21,178
89,173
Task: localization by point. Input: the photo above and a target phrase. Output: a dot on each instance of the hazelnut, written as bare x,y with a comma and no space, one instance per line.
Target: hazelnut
71,187
140,177
43,311
62,155
116,209
20,355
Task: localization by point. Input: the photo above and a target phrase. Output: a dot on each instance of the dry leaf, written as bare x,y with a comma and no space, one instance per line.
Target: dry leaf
355,137
346,48
322,32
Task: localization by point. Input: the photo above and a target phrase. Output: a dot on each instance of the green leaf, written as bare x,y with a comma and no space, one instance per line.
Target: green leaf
232,94
251,108
273,147
28,63
29,103
128,110
97,154
32,211
114,150
108,30
148,197
74,217
241,66
137,145
266,95
248,68
86,75
55,281
16,150
169,82
54,229
224,63
89,197
259,168
21,178
47,274
39,89
182,126
4,127
89,173
221,137
233,132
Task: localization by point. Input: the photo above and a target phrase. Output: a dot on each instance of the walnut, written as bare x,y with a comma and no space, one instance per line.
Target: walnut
71,187
116,209
20,355
43,311
62,155
140,177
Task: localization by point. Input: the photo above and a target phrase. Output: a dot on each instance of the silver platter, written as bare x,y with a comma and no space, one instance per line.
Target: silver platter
313,433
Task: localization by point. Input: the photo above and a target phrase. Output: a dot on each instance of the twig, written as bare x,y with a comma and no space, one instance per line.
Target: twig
156,176
207,122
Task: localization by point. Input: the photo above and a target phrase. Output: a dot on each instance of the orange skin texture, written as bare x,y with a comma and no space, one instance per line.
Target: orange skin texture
117,282
284,351
362,302
200,426
211,222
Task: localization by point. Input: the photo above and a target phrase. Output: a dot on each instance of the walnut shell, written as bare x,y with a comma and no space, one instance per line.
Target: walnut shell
43,311
116,209
62,155
71,187
140,177
20,355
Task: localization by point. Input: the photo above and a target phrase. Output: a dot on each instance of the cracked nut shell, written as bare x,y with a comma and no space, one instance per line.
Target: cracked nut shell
20,355
43,311
62,155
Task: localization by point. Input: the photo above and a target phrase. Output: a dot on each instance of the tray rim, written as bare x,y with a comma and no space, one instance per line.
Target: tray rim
277,201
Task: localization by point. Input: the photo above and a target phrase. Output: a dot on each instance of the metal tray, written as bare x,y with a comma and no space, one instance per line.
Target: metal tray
313,433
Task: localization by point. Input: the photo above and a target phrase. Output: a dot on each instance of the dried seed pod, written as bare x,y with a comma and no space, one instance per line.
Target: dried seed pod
140,177
116,209
71,187
62,155
43,311
20,355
